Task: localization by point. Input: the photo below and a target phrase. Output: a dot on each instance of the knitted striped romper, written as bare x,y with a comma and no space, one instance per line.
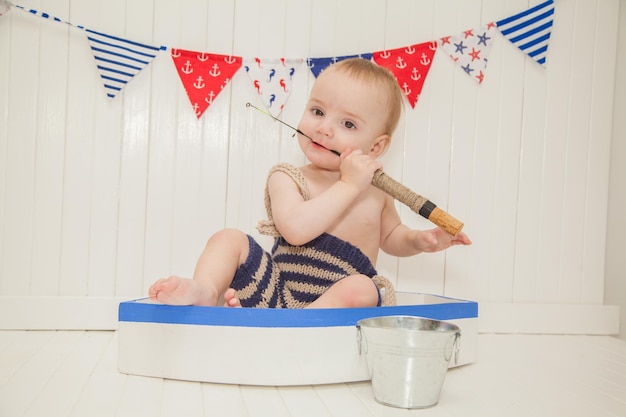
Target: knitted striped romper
295,276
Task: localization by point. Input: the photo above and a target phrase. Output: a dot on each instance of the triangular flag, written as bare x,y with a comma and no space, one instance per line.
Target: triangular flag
317,65
204,75
272,79
530,30
410,65
470,49
119,60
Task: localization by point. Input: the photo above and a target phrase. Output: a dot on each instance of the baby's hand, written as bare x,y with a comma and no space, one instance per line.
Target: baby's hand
437,239
358,168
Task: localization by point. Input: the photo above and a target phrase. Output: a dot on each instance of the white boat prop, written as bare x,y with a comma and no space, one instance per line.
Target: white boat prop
276,347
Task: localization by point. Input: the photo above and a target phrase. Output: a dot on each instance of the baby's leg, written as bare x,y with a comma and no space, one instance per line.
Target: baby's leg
352,291
177,291
223,254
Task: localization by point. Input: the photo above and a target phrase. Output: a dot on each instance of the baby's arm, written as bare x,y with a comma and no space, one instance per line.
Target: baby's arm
399,240
300,221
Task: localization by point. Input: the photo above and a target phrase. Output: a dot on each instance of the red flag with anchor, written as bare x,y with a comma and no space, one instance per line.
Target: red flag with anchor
410,65
204,75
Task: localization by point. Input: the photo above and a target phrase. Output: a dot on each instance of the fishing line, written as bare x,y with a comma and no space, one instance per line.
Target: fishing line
289,126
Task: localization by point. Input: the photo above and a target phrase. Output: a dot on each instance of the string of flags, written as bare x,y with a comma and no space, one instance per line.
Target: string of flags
204,75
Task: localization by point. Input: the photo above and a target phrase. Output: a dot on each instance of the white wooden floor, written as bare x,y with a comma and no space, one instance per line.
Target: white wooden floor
74,373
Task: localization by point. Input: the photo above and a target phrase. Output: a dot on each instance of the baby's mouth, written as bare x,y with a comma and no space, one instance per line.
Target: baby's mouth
324,147
316,143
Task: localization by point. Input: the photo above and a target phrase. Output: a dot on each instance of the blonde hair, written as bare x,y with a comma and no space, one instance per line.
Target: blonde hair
369,71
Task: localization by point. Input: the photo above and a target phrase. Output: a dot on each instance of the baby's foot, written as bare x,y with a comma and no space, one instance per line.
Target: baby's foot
231,299
176,291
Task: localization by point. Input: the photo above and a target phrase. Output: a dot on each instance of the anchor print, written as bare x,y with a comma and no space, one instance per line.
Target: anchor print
204,75
187,68
407,90
215,71
199,84
400,64
410,66
210,97
415,74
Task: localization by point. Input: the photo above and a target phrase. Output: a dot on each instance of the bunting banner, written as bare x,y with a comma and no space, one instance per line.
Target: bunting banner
410,65
470,49
36,13
530,30
317,65
119,60
272,79
204,75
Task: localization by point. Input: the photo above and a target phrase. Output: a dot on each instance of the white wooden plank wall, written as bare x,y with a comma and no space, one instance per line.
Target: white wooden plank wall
100,197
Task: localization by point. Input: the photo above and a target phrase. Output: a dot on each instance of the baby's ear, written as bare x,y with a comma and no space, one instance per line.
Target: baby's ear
380,145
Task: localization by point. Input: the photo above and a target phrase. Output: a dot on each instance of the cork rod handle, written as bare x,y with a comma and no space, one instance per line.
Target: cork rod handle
417,203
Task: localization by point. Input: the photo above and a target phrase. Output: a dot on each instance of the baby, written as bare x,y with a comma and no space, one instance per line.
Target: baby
328,220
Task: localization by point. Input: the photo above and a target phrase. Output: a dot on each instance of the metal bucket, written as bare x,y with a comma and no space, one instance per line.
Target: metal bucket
408,358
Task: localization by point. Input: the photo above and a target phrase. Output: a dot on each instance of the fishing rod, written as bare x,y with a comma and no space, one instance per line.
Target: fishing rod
419,204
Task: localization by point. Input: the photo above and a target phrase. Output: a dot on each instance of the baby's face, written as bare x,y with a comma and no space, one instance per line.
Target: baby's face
342,112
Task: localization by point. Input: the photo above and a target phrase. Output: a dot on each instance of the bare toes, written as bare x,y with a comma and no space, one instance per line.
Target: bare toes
231,299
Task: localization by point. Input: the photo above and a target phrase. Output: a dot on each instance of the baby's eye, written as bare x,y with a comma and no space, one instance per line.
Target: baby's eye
318,112
349,125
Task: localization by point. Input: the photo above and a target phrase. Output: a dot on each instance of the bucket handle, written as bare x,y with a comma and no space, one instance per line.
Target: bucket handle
456,345
359,340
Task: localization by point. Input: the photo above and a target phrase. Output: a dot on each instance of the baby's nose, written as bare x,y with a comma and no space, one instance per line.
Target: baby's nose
325,128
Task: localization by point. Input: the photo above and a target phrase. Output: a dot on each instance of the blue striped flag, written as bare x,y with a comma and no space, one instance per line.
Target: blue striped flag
119,60
530,30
